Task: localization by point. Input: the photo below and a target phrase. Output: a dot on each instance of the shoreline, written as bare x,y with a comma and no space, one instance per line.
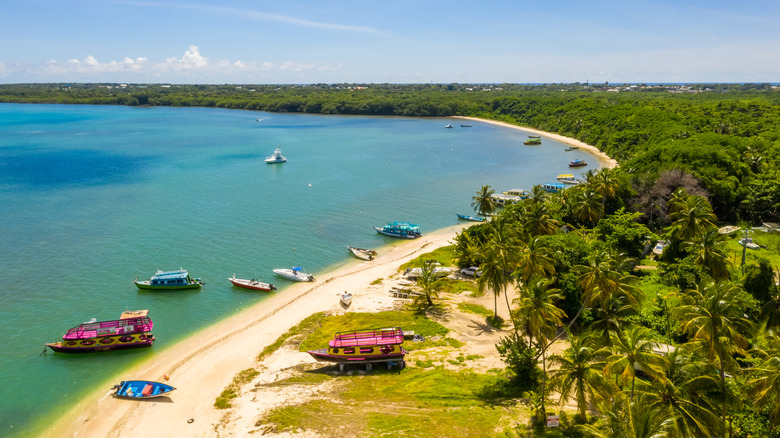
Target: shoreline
605,159
205,363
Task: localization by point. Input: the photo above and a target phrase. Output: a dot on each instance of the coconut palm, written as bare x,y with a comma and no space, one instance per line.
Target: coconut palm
534,259
537,195
715,323
497,260
612,318
764,384
605,184
429,286
587,205
483,202
690,216
578,373
540,317
709,248
626,418
538,221
633,351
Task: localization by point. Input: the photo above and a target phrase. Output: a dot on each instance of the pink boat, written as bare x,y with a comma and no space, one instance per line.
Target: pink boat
132,330
364,346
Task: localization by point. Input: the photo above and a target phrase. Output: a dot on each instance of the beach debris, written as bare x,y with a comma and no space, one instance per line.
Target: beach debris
191,420
418,338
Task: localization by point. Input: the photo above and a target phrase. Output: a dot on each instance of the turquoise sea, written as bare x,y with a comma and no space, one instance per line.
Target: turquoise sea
92,197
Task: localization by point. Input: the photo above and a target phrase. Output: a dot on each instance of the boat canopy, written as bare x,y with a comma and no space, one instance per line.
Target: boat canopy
171,275
297,268
403,226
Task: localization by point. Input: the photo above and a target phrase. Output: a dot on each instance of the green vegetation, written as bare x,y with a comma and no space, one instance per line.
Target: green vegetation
474,308
231,392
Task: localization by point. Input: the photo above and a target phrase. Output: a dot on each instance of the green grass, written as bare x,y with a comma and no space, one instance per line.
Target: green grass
475,308
304,327
412,403
231,392
456,286
444,255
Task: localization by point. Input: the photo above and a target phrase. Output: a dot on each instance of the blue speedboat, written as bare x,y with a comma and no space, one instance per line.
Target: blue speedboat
553,187
140,389
404,230
466,217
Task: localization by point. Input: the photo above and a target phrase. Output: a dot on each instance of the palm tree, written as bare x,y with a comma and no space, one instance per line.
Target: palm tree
578,373
601,280
709,247
714,320
631,351
625,418
690,217
764,384
605,184
611,318
588,205
537,195
497,260
429,285
534,259
540,317
483,202
538,221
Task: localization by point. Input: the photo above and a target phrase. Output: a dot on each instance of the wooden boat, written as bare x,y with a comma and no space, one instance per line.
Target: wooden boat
170,280
251,284
132,330
577,163
465,126
363,346
346,299
522,194
296,273
466,217
404,230
362,253
276,157
567,178
502,199
533,141
571,148
141,389
553,187
534,136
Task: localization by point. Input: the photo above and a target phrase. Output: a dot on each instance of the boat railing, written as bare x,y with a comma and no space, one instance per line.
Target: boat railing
368,337
113,327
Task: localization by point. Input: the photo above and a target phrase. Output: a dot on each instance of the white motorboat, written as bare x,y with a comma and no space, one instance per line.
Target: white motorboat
346,299
276,157
438,272
296,273
362,253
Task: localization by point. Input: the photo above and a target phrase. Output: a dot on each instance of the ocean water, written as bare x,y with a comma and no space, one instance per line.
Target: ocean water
92,197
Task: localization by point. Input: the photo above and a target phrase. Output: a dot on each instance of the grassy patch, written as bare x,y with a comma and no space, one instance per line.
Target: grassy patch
304,327
231,392
458,286
413,403
378,281
475,308
444,255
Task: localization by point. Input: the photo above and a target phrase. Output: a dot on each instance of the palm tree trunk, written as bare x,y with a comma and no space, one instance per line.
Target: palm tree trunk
509,309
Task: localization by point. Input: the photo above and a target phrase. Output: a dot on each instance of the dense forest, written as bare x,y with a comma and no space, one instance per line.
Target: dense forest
682,344
723,135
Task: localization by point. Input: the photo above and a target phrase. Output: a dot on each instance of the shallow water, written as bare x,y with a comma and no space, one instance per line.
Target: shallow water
92,197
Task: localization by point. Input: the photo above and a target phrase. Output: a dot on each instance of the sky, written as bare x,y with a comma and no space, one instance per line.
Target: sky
401,41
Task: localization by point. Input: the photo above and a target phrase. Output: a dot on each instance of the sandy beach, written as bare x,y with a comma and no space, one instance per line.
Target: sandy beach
204,364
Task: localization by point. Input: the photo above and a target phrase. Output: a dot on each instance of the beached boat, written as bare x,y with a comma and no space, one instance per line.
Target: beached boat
170,280
276,157
502,199
533,141
141,389
296,273
364,346
404,230
133,329
362,253
567,178
438,272
534,136
251,284
571,148
466,217
346,299
577,163
553,187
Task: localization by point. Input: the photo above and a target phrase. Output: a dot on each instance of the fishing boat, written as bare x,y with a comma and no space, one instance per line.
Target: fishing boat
170,280
533,141
363,346
133,329
522,194
553,187
362,253
141,389
502,199
567,178
404,230
466,217
534,136
577,163
296,273
346,299
276,157
251,284
571,148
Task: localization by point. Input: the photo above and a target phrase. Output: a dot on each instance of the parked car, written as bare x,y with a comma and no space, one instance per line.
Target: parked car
471,271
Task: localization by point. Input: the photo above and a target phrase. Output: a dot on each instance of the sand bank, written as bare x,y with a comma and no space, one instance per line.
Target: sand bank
203,365
605,159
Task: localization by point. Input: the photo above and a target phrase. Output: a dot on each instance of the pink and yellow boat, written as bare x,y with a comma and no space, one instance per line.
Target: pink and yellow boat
132,330
364,346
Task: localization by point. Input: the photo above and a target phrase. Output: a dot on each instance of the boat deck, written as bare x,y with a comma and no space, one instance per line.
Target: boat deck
386,336
107,328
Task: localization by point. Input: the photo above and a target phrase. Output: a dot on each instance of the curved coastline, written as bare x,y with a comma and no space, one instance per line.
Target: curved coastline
605,159
203,364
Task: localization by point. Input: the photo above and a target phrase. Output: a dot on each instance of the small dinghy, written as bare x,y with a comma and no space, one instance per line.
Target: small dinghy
346,299
362,253
251,284
295,274
141,389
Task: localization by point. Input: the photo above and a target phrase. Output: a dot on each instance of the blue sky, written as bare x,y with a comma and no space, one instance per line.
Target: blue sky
401,41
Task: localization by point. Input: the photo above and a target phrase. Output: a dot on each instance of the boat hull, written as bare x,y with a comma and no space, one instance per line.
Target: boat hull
252,284
400,236
292,275
145,285
362,253
470,218
142,389
326,355
106,343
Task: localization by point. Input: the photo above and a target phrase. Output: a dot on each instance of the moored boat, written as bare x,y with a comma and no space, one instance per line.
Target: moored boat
448,126
296,273
567,178
366,346
276,157
404,230
533,141
534,136
438,272
522,194
170,280
577,163
466,217
502,199
132,330
251,284
141,389
553,187
571,148
362,253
